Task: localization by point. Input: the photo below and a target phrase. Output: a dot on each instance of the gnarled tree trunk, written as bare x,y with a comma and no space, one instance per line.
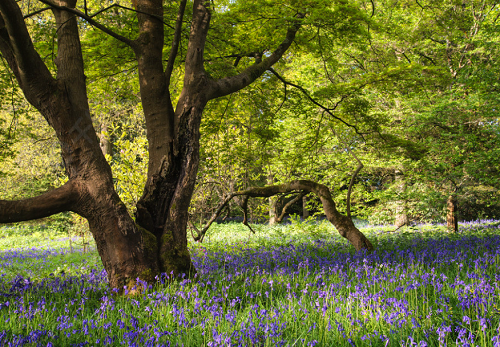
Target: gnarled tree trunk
157,241
89,191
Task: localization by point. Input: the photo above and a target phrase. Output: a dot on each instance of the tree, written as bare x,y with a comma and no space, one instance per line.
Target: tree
156,240
441,130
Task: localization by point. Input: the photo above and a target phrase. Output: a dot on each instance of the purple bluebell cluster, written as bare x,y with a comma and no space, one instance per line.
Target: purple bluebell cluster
421,288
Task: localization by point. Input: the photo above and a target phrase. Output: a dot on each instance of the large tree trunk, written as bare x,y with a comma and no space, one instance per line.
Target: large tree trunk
124,250
173,135
452,215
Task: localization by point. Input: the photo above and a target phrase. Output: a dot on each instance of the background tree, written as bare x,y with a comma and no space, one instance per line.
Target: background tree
442,118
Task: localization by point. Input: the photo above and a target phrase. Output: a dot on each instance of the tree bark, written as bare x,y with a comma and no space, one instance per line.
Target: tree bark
123,247
305,211
174,149
45,205
104,141
400,209
452,215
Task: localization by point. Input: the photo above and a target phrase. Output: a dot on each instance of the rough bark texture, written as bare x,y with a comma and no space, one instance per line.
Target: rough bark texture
452,215
124,249
157,240
343,224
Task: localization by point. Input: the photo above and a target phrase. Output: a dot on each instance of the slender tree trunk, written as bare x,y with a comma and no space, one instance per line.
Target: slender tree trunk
105,142
400,209
305,211
452,215
272,200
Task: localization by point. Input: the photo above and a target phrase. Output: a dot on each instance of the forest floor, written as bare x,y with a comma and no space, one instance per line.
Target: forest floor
295,285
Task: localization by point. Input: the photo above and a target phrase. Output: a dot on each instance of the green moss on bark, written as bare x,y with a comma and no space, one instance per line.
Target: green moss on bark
175,258
150,243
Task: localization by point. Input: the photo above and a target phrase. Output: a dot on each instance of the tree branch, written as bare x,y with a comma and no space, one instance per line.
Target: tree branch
232,84
201,233
175,42
228,211
17,48
128,9
244,207
353,177
36,12
7,50
327,110
343,224
287,206
91,21
199,236
197,39
55,201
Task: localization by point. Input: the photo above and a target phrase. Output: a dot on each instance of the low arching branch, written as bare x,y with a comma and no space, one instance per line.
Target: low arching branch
343,224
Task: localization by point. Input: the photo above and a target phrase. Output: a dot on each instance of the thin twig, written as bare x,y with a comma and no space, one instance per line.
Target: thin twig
36,12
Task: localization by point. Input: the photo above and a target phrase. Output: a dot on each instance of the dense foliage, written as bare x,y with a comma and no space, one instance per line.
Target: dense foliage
409,88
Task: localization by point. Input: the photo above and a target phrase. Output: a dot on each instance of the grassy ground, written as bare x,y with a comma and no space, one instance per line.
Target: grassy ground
295,285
